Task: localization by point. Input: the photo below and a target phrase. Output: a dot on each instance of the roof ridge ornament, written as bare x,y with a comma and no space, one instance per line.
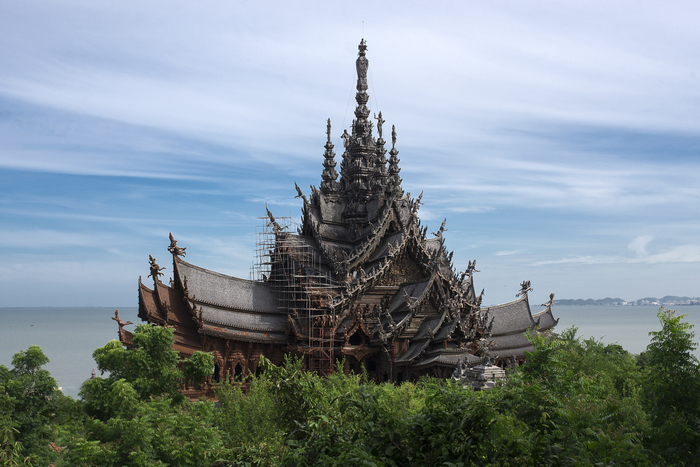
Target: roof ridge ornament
300,194
441,229
550,302
524,288
174,249
155,268
275,226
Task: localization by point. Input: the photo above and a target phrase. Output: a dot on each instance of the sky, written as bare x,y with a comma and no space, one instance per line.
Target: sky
561,140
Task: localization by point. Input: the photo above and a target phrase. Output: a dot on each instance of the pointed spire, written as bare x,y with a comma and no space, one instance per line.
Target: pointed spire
380,172
329,175
362,64
394,179
357,166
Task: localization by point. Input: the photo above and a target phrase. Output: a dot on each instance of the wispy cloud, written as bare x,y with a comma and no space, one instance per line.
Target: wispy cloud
508,252
679,254
41,239
545,133
639,245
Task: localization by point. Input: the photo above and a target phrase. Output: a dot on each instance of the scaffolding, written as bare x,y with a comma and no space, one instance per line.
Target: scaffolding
303,284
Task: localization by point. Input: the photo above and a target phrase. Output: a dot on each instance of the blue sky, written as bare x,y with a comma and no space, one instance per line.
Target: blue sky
560,139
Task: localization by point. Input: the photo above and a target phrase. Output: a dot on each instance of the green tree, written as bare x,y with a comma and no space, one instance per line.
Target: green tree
29,402
150,369
672,389
139,417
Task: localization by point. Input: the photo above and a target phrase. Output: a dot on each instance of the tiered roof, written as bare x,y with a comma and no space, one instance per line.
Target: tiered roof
384,280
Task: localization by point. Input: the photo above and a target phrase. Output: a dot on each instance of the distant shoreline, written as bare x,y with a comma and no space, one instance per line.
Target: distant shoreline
668,300
626,304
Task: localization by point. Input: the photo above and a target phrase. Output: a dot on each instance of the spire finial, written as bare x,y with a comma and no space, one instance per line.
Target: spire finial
329,175
394,179
380,122
362,64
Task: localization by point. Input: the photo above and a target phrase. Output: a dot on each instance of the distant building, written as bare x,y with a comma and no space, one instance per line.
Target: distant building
360,281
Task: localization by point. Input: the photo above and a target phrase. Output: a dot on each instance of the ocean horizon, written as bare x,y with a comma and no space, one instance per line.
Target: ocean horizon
69,335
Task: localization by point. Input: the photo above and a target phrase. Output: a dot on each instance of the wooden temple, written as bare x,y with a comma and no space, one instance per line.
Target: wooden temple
360,281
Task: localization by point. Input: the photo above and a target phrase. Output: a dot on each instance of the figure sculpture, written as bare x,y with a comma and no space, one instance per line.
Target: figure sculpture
155,269
551,300
524,288
380,122
119,320
174,249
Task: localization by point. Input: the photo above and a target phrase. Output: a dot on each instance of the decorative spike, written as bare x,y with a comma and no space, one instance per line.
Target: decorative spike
394,181
329,175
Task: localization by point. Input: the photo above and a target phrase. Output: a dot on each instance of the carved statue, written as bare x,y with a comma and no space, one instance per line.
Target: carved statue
393,136
361,65
174,249
275,226
380,122
346,139
119,321
460,371
441,229
471,268
551,300
524,288
328,130
155,269
300,194
485,350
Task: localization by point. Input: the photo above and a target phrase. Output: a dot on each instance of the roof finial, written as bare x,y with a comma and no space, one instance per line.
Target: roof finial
329,175
380,122
394,179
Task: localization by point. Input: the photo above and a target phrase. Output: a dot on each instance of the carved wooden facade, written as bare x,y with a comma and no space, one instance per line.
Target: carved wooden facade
361,281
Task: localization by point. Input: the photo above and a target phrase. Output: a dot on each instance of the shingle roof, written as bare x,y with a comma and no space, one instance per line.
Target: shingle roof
510,317
413,350
265,322
225,291
449,359
248,336
545,319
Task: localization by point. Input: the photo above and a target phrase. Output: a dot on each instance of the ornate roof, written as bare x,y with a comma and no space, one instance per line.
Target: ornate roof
510,317
360,263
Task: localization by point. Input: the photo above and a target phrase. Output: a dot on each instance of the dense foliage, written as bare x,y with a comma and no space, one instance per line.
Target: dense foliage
576,402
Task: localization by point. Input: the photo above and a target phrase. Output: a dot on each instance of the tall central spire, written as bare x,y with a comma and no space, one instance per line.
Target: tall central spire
362,64
358,162
367,179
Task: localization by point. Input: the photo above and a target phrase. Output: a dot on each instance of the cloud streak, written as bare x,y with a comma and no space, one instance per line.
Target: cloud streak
544,133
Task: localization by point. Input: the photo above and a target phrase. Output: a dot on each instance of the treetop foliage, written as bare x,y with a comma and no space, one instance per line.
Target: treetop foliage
575,402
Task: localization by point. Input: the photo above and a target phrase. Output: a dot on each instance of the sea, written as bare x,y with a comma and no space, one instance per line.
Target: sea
68,336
